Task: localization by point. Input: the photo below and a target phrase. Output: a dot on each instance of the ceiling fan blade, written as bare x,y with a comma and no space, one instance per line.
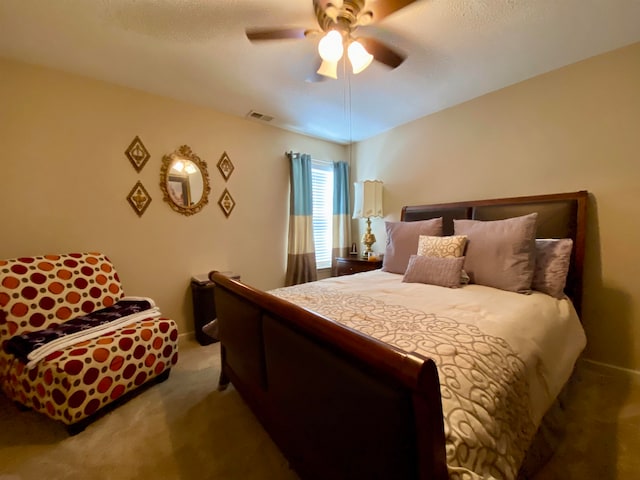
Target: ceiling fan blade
256,35
324,4
381,52
383,8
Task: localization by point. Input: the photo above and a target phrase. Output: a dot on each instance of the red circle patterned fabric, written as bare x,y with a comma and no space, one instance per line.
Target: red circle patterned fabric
41,292
74,382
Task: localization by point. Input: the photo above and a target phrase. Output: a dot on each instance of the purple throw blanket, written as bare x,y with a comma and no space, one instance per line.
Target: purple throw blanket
22,345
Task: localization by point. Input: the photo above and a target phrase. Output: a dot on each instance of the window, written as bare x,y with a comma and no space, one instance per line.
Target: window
322,191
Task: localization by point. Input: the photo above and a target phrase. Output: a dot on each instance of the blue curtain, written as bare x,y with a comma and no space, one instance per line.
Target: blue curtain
301,258
341,212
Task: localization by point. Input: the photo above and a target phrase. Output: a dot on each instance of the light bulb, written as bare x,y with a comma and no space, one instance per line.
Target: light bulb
359,57
330,46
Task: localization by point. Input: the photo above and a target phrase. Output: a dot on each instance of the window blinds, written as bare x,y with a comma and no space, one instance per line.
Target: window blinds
322,186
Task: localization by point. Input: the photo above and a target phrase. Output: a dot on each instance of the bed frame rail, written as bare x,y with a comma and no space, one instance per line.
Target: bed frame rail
338,404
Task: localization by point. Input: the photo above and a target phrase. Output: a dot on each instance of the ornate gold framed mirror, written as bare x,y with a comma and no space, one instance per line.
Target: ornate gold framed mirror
184,181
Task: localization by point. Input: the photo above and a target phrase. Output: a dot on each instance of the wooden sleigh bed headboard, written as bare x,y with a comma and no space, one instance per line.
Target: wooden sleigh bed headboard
341,404
562,215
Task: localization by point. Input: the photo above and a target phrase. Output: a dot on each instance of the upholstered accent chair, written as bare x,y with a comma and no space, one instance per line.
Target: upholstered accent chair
92,366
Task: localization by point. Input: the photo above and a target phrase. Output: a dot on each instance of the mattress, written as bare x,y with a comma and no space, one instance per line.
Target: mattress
502,357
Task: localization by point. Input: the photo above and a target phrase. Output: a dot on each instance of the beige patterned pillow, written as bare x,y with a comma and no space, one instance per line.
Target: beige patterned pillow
442,247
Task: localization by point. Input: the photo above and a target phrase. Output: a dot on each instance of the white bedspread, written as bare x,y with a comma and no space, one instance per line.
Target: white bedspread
502,357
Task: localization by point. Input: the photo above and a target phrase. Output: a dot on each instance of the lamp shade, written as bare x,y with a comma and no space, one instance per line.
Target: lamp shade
359,57
330,46
328,69
367,199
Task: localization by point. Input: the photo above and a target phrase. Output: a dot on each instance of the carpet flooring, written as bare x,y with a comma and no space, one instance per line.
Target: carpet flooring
185,429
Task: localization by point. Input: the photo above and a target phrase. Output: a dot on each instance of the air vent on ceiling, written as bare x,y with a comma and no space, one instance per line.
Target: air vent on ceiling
259,116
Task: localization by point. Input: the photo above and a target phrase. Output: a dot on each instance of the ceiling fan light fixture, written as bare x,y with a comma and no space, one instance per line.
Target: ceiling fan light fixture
330,46
178,166
359,57
328,69
190,168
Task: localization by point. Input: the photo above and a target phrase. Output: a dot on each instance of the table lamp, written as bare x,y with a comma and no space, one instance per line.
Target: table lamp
367,204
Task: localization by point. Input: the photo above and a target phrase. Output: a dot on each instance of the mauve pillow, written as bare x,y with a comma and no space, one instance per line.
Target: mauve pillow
402,241
442,271
500,253
552,265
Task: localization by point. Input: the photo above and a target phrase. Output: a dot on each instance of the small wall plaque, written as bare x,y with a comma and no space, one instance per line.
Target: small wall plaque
225,166
139,198
137,154
226,202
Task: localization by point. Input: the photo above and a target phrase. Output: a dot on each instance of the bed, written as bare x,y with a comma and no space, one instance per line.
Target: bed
374,375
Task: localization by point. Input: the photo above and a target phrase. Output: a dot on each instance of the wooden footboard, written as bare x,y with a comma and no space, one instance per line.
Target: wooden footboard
338,404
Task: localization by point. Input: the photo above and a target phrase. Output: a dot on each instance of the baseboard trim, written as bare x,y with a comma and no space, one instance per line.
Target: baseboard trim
609,369
187,336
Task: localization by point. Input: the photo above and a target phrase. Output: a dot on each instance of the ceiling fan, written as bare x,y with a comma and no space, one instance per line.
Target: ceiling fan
339,21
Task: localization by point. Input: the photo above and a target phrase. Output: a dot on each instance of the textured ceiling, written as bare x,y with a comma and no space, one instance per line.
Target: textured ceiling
196,51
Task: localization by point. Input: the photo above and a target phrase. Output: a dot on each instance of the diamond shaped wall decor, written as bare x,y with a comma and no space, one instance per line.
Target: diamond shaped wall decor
139,198
137,154
225,166
226,202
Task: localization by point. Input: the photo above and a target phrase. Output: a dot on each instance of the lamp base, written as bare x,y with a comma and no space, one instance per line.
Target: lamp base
368,239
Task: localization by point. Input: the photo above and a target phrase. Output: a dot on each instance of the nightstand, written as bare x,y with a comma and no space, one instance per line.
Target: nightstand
350,265
204,305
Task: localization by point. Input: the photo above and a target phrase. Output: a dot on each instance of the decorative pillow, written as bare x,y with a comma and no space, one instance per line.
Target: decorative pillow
402,241
552,265
441,271
500,253
442,247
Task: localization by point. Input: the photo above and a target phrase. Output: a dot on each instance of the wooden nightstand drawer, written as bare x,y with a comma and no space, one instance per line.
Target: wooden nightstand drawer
348,266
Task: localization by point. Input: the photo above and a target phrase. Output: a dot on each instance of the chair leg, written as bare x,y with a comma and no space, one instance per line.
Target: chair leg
163,376
76,428
21,407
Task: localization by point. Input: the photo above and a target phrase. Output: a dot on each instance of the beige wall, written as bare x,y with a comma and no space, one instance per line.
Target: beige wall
65,179
577,128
